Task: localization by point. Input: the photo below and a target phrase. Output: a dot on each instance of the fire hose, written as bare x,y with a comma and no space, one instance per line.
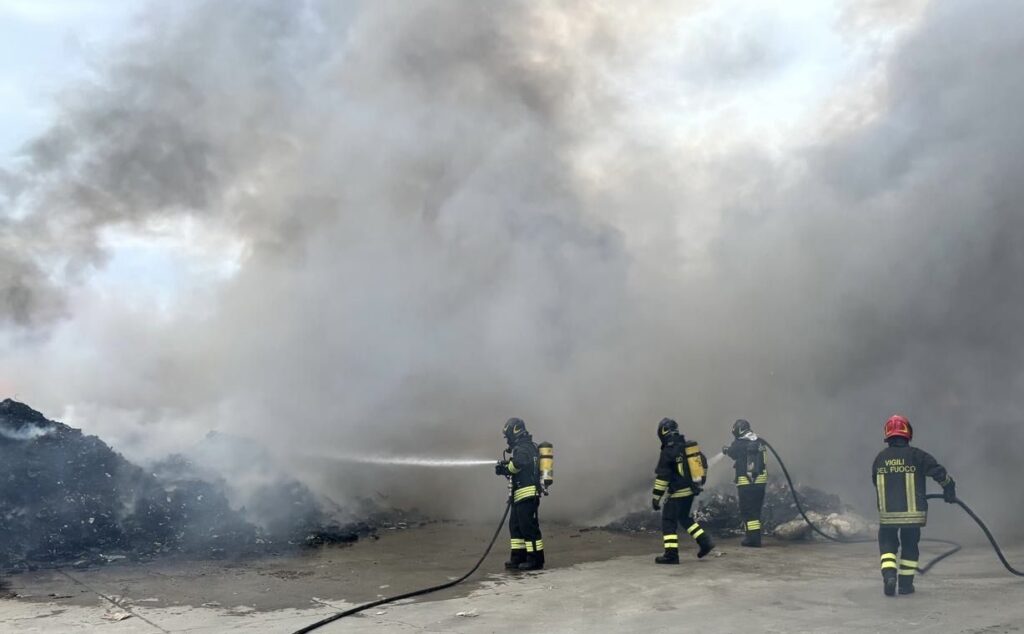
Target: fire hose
415,593
924,569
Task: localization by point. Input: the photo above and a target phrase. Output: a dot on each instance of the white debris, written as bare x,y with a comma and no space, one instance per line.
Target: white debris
836,525
467,614
117,615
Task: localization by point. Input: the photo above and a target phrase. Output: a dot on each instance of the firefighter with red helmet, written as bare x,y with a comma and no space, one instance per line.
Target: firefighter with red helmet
898,474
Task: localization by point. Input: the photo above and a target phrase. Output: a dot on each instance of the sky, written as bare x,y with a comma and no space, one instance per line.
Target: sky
47,48
43,47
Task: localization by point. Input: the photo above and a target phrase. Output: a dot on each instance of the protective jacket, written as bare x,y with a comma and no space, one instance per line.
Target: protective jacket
672,475
899,474
750,459
524,468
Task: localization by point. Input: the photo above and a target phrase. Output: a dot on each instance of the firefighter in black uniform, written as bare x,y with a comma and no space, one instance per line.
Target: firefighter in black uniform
750,458
898,474
680,473
523,470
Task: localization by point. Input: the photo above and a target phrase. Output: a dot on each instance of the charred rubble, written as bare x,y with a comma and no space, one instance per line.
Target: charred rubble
718,511
68,498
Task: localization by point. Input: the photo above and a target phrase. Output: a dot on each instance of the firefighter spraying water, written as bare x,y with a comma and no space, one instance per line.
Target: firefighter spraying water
530,471
750,461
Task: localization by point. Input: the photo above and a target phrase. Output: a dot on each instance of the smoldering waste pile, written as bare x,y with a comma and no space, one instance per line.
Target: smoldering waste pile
718,510
68,498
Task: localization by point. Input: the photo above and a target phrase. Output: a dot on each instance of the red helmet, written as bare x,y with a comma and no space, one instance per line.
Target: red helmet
898,426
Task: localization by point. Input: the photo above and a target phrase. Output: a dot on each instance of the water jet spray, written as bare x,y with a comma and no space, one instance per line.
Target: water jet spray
411,461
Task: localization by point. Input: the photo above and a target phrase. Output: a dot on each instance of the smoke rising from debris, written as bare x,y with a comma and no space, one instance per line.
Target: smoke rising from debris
452,213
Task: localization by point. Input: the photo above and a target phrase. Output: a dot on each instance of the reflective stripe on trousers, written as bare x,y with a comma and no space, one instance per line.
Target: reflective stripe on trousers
889,561
695,530
524,493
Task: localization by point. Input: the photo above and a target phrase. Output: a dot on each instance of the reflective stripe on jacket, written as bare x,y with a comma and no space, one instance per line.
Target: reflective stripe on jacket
898,474
525,469
671,475
750,461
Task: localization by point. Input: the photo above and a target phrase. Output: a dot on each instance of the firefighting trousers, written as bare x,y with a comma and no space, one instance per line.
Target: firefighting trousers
890,539
675,512
524,527
751,500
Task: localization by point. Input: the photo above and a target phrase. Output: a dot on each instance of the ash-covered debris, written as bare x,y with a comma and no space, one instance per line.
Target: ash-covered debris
194,516
64,496
68,499
285,509
718,511
376,520
288,510
5,590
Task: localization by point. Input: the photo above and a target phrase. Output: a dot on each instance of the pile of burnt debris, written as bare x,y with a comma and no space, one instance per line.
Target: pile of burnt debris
718,511
68,498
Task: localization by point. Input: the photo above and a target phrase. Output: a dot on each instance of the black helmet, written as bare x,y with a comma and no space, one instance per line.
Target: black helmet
514,429
740,427
667,427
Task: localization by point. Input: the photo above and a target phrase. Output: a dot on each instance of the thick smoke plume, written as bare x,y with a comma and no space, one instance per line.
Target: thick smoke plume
451,213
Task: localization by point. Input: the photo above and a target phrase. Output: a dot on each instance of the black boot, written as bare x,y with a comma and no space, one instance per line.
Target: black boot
531,563
889,582
752,539
518,556
906,584
540,559
671,556
706,545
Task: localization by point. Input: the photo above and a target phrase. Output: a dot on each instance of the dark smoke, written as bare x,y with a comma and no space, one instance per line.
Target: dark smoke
451,213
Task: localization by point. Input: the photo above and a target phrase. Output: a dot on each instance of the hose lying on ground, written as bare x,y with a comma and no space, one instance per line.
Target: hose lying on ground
414,593
923,569
984,529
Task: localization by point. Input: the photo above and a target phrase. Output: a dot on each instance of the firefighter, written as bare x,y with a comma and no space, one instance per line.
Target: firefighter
680,474
750,458
523,470
898,474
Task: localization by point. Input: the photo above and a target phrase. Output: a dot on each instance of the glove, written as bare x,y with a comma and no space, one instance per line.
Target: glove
656,504
949,492
725,450
697,488
501,469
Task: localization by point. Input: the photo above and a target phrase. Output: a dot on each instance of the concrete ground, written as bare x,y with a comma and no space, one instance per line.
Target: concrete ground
598,582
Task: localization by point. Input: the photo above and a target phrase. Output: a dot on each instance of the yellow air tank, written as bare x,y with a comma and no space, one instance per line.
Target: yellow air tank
547,463
695,461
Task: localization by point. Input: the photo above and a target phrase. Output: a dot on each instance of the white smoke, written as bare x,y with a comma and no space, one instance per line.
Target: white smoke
416,219
27,432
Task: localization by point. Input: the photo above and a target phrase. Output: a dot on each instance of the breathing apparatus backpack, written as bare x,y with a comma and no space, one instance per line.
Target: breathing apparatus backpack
696,462
755,459
546,464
